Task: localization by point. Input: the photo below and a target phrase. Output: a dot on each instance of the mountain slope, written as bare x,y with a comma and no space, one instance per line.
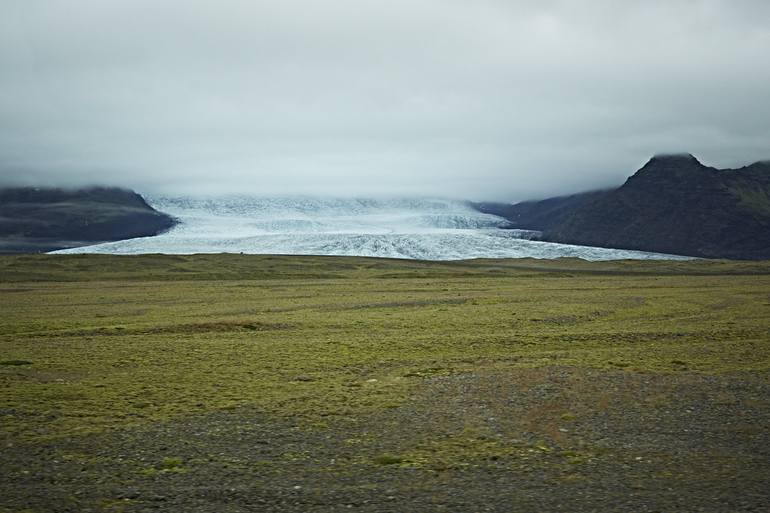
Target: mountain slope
44,219
674,204
540,215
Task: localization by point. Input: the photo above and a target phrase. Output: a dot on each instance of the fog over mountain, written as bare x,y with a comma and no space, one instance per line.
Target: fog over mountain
495,100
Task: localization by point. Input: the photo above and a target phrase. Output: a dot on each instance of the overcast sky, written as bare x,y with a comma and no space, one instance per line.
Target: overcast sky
477,99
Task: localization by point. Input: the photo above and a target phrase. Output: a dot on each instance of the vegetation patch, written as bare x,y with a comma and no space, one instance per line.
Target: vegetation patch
126,341
389,459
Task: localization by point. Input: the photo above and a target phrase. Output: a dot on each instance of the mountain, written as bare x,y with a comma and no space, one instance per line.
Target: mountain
45,219
674,204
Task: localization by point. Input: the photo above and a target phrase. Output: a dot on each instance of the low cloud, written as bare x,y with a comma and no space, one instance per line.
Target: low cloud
488,99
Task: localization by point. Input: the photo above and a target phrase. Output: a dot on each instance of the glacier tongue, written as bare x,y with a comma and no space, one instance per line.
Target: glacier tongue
428,229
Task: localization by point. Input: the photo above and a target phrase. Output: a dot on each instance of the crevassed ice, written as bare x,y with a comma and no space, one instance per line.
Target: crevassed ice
428,229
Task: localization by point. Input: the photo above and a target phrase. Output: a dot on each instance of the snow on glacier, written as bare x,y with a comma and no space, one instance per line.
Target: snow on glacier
428,229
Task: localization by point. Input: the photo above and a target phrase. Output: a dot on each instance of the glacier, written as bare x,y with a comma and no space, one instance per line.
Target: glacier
412,228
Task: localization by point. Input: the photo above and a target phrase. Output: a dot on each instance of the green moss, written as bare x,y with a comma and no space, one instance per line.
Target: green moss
169,462
168,465
124,341
388,459
577,457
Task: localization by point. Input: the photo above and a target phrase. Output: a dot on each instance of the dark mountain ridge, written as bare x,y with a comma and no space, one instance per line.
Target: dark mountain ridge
44,219
674,204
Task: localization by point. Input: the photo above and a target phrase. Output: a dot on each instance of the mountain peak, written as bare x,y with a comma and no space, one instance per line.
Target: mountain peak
674,159
665,168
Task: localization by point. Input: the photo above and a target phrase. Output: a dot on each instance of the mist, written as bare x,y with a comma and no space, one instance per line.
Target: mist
482,100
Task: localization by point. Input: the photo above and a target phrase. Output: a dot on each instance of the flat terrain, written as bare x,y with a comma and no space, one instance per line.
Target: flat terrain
224,383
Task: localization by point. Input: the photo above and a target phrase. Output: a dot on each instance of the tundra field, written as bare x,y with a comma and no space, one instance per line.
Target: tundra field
224,383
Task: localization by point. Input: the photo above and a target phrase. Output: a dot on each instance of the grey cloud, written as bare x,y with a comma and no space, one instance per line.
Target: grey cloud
485,99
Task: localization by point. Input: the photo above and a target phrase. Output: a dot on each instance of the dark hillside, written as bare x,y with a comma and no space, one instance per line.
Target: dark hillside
540,215
674,204
44,219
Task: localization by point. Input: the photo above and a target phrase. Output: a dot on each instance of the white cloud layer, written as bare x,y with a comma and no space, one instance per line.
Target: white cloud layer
483,99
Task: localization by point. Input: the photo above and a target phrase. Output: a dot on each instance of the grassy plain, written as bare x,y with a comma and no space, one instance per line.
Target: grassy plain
377,368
